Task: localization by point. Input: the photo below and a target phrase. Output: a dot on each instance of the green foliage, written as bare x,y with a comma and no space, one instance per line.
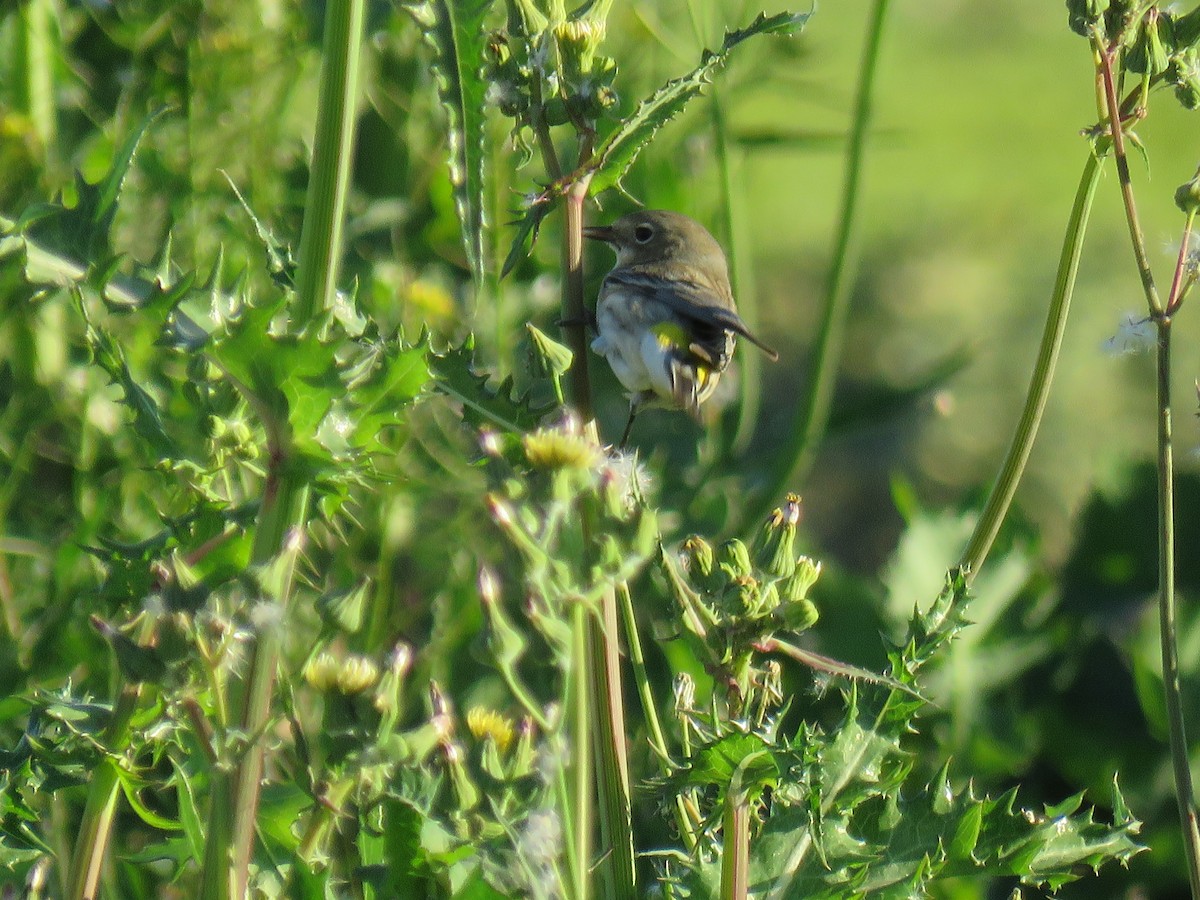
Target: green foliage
456,32
849,815
450,523
618,151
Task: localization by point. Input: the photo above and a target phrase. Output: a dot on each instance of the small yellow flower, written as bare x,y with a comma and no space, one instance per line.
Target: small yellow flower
483,722
356,674
560,448
322,671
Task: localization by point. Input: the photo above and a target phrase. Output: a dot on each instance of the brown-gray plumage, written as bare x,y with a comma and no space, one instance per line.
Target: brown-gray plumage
666,318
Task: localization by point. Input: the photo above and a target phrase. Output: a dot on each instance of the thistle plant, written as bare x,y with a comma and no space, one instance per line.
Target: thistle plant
331,611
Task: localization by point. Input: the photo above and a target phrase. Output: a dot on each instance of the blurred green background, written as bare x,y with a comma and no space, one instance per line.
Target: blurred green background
973,163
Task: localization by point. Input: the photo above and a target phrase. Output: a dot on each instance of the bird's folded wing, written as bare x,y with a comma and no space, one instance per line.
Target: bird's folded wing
691,301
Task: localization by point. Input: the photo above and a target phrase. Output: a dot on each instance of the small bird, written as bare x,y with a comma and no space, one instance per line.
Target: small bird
665,319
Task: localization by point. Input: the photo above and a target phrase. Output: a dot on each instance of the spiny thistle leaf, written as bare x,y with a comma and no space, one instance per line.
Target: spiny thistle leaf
455,29
527,231
291,379
147,418
849,821
620,149
83,229
483,405
392,376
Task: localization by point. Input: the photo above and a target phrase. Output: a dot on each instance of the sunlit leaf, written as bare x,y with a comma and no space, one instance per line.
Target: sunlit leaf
618,151
455,29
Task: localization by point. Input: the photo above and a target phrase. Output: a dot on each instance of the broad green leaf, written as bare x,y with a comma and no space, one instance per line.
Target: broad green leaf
394,378
292,379
455,29
618,151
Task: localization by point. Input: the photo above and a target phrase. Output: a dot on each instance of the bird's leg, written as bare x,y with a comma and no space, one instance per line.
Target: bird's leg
633,411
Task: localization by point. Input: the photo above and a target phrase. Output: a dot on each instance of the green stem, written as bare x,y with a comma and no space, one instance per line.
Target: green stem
735,836
324,208
598,672
573,305
1117,131
1168,628
37,44
808,429
1005,488
284,509
581,755
650,711
104,788
741,274
614,815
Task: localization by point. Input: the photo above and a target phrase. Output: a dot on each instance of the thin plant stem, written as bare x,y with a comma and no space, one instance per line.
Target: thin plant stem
658,741
1168,626
808,429
598,672
581,753
1185,796
1115,129
1011,470
1179,282
104,789
735,849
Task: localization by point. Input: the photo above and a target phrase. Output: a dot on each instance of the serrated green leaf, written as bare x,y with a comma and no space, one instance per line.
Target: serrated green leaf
83,229
293,379
482,404
619,149
131,786
527,231
147,418
455,29
398,376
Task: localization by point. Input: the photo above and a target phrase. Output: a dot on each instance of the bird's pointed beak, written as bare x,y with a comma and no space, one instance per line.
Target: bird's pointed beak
599,233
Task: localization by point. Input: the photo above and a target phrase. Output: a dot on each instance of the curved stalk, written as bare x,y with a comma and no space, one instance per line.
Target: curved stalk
1000,498
1185,795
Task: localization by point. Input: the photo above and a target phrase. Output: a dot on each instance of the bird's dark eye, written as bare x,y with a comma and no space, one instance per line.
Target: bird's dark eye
643,233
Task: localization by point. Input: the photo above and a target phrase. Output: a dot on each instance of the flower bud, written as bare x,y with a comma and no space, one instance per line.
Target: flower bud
684,690
1187,195
505,643
578,40
775,550
734,559
345,611
520,764
1083,15
525,19
547,357
698,558
465,791
321,671
795,611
